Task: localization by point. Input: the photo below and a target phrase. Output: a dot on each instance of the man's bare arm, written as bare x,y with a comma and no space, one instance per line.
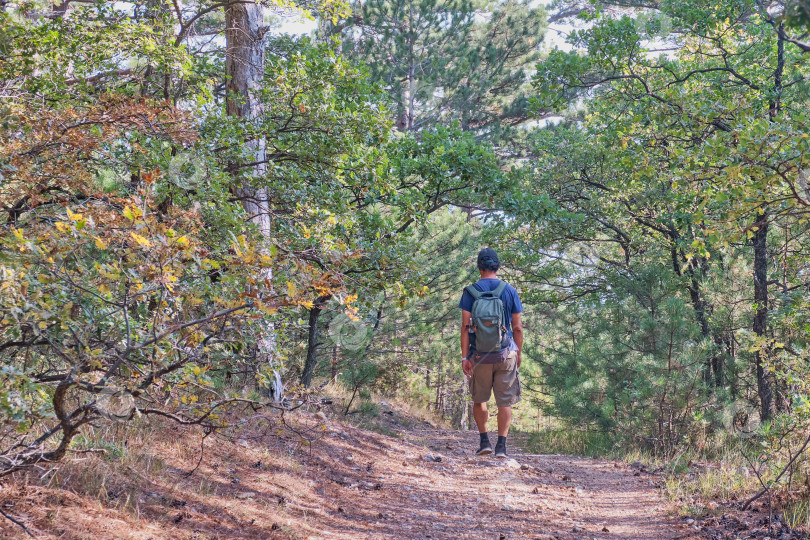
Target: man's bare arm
465,342
517,334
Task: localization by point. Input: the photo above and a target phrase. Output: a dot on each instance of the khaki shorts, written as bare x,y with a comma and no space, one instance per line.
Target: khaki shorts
502,378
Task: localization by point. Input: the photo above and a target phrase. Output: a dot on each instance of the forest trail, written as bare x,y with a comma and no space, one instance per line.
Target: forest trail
397,479
524,496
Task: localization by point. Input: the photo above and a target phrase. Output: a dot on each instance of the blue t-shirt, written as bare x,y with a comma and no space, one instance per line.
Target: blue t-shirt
509,297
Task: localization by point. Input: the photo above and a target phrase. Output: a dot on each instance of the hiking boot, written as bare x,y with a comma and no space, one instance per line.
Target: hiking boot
485,450
500,449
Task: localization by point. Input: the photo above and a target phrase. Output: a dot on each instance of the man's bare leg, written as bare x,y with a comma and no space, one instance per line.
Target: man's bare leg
481,415
504,420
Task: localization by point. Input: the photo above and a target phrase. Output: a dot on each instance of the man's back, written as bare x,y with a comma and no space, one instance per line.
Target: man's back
509,297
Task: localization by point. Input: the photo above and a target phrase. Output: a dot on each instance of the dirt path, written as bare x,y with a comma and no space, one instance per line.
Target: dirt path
403,495
349,483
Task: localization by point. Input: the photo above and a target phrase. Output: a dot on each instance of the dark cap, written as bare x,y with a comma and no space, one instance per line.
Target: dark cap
488,260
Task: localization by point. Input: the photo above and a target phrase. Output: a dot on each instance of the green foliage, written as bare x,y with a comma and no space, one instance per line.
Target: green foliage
131,272
640,215
445,61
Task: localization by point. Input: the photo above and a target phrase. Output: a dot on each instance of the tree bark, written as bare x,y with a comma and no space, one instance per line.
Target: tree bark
313,337
765,379
244,71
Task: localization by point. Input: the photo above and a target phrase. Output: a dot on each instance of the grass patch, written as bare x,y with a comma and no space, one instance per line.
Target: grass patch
571,441
797,515
112,451
695,493
369,408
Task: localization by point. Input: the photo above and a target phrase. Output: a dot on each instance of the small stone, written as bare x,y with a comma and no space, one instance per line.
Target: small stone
566,478
321,416
689,521
511,463
605,529
637,465
535,491
577,529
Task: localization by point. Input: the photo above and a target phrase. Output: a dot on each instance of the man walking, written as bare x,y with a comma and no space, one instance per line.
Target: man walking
491,341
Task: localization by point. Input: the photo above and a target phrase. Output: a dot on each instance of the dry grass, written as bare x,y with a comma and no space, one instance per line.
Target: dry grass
134,482
142,481
697,492
369,405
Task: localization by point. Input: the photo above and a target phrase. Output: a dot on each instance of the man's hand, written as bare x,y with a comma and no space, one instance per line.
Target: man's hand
467,368
518,359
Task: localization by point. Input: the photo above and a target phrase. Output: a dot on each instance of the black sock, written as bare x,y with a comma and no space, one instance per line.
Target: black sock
501,441
484,438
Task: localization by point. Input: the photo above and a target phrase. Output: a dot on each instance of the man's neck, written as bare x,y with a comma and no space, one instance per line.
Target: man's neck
488,275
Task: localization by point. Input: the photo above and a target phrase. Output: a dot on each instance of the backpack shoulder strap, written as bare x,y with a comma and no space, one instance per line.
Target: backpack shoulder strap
499,289
476,294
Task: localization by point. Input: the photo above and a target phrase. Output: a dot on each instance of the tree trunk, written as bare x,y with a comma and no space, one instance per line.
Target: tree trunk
312,347
765,380
411,73
713,369
244,70
333,372
313,336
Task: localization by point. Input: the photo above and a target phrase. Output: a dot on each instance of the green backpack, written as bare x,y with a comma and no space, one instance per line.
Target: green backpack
488,319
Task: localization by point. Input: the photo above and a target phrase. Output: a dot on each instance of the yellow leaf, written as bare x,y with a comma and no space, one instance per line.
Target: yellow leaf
132,213
291,288
101,244
140,239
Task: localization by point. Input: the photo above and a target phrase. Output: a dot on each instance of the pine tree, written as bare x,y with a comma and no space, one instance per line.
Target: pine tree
449,60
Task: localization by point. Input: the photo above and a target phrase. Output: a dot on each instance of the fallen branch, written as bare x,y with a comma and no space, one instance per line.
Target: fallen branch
17,522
